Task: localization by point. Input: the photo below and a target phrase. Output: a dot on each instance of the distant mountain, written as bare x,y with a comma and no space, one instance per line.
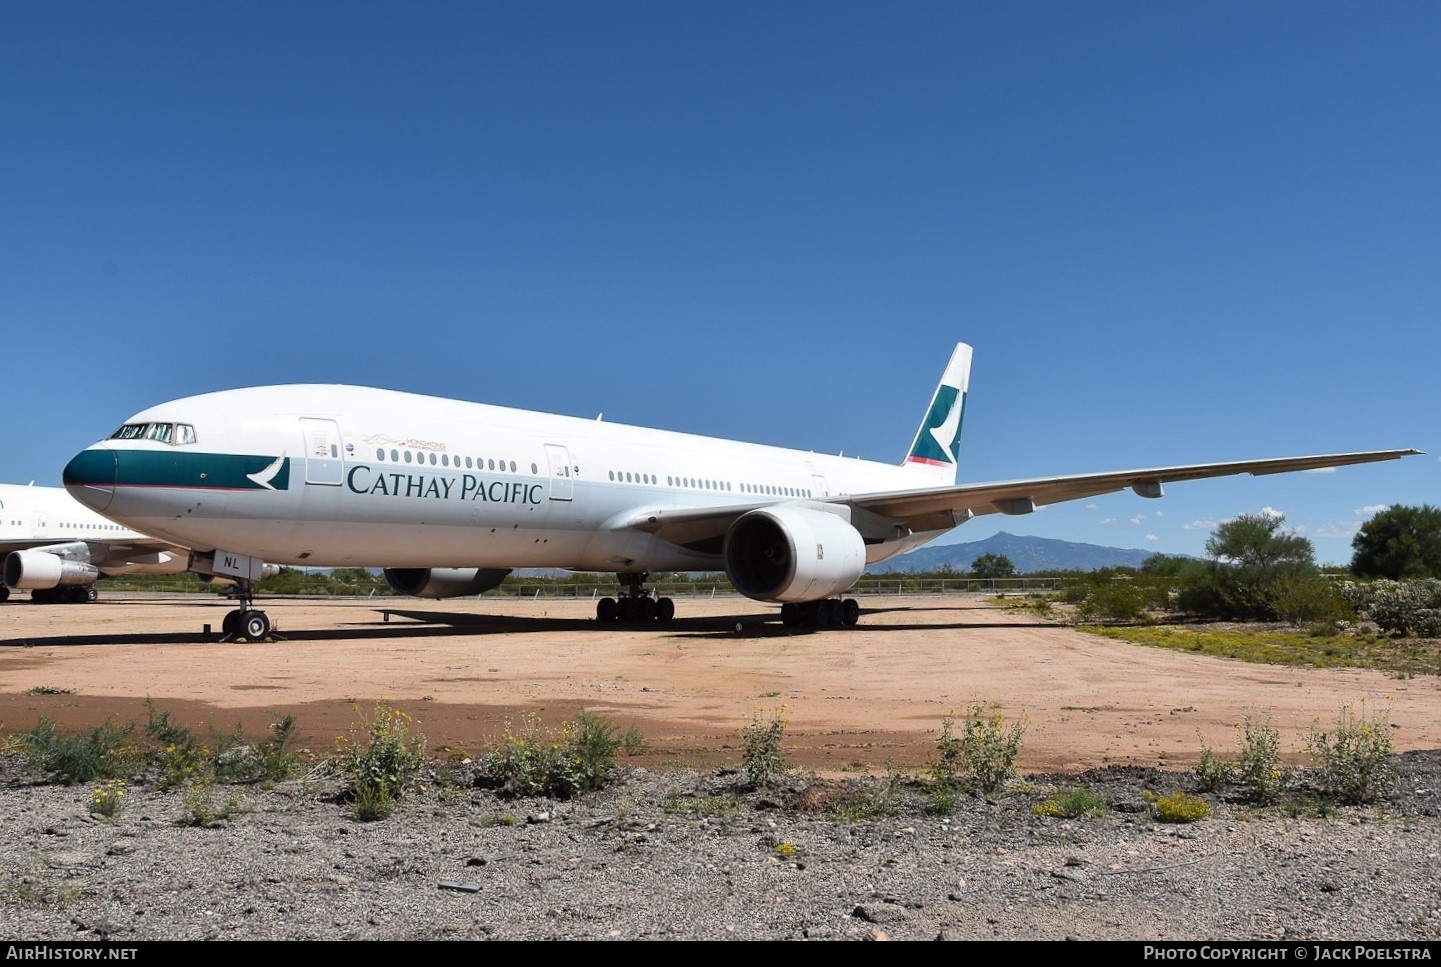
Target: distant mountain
1028,554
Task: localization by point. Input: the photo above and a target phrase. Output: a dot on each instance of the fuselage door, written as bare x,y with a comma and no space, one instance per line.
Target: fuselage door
323,461
819,482
561,475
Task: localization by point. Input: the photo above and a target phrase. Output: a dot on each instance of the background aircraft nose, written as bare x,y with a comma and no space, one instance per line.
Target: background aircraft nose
90,477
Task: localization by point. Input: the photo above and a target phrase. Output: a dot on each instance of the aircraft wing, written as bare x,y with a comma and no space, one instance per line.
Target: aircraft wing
122,555
942,508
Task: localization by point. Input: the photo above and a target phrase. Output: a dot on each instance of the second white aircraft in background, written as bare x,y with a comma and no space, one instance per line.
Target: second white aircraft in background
448,496
57,548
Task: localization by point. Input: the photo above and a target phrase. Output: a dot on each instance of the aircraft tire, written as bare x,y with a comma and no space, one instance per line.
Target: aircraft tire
4,593
90,595
626,609
824,612
664,609
645,610
254,625
850,612
231,624
607,610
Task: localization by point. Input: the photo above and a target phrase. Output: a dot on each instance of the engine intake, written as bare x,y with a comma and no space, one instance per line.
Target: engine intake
43,570
444,582
791,553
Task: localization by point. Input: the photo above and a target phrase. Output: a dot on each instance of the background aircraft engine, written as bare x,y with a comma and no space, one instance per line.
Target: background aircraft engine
444,582
41,570
792,554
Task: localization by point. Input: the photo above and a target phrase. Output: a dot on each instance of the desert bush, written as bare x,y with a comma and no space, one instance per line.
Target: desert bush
199,803
1178,807
763,753
1114,601
1071,805
104,752
1213,771
384,764
579,758
1299,599
1258,764
983,757
1355,760
108,800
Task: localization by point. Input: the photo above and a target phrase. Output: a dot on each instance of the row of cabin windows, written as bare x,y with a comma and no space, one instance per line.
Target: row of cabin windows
770,490
88,527
446,460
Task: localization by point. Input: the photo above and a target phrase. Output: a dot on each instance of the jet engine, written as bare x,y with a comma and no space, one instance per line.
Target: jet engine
790,554
43,570
444,582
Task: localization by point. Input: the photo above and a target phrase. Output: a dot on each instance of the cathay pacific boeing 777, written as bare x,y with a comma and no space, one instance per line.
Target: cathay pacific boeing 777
449,496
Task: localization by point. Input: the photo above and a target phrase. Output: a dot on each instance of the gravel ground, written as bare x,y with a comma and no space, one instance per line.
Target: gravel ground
685,855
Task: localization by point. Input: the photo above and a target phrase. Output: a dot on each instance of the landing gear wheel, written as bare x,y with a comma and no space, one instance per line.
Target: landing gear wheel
823,612
254,625
4,593
627,608
607,610
850,612
664,609
231,625
90,595
645,609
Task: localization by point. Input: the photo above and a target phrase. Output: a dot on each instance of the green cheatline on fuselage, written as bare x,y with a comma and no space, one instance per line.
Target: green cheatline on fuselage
927,448
189,469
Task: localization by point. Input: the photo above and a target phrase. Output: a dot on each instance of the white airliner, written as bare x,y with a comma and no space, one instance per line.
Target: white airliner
448,496
58,548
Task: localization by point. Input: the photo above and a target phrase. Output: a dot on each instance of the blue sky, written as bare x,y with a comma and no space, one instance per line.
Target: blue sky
1173,233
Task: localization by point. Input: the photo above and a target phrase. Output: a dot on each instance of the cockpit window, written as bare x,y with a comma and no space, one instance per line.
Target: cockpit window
175,434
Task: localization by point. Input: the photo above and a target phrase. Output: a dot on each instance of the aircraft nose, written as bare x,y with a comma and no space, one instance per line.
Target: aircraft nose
90,477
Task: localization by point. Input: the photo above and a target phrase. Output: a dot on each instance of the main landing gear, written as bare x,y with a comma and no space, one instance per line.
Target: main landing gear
636,605
245,623
64,594
835,612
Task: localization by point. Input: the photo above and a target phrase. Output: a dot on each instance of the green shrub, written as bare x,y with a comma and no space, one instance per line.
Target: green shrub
108,800
198,802
763,754
1214,772
983,757
1308,598
385,764
105,752
579,758
1116,600
1355,760
1258,766
1178,807
1071,805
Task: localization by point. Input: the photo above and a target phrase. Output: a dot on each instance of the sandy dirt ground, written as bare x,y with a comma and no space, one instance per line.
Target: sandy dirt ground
870,696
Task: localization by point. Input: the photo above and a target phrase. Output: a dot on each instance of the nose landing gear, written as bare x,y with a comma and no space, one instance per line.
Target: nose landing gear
246,623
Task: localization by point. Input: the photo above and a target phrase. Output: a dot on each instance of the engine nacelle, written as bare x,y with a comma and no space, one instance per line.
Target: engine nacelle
787,553
444,582
42,570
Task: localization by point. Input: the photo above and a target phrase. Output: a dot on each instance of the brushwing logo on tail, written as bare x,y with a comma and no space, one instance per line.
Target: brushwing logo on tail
939,442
